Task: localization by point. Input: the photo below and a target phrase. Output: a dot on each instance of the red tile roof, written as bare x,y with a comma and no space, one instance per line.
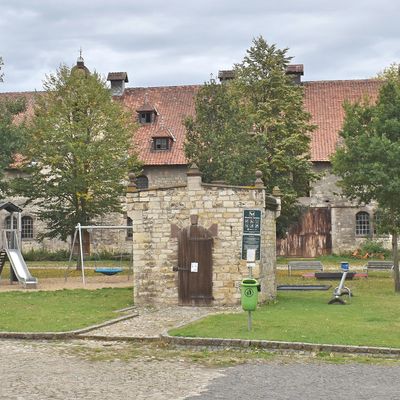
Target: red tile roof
173,105
324,101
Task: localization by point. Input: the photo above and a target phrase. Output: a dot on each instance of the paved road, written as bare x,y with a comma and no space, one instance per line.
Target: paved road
62,370
300,381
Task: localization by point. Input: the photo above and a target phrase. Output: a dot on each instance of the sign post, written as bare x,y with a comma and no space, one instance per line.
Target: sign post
251,246
251,238
251,258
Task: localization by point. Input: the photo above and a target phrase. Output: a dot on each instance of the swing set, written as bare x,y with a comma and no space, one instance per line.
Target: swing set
105,270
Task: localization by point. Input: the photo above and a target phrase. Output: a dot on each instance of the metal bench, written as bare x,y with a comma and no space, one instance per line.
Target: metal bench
378,266
304,266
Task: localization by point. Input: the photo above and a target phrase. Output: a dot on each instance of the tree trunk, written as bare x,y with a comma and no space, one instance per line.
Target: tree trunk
75,249
395,254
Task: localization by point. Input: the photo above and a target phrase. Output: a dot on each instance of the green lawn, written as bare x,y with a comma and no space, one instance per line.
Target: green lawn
372,318
61,310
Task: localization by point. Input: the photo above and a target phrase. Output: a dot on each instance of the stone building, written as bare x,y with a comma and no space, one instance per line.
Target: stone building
330,223
187,241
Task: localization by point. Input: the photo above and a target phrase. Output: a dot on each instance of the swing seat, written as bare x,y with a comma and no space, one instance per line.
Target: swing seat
108,270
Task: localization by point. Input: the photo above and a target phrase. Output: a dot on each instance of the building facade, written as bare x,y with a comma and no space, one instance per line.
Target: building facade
329,224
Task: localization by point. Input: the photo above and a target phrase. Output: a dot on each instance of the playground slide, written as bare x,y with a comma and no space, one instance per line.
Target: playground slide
20,269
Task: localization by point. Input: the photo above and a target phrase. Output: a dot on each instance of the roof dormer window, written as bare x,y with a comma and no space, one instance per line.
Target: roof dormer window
161,143
146,117
147,114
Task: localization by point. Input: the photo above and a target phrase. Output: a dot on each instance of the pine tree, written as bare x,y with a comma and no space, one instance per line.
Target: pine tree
255,121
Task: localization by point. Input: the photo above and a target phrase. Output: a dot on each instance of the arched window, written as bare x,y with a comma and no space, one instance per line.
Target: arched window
142,182
362,224
129,232
26,227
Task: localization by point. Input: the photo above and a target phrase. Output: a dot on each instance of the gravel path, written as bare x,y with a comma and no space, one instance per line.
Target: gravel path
156,321
39,371
62,370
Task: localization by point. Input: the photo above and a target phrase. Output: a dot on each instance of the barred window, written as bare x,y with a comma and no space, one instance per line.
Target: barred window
362,224
27,227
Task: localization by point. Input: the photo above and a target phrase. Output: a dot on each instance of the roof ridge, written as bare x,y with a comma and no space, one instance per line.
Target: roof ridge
344,80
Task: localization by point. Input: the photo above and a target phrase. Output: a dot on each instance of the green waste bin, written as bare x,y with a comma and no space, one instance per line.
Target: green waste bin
249,294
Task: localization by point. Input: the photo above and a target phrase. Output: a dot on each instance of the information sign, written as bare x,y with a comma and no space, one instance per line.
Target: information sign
251,242
252,222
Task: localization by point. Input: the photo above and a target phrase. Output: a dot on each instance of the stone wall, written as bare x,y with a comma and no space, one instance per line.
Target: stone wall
326,193
155,250
165,175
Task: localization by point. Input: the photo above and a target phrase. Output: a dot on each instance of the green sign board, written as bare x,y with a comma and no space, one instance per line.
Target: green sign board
252,222
251,242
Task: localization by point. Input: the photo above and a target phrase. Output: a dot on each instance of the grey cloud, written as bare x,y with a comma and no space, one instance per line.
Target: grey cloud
182,42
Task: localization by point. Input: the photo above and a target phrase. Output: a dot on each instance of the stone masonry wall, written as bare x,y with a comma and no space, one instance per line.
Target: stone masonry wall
326,193
155,250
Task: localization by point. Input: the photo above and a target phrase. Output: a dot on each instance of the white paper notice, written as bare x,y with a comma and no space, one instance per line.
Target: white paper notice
194,267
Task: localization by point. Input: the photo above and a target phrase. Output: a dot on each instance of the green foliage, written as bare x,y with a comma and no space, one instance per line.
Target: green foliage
11,134
79,152
255,122
372,247
368,163
45,255
218,138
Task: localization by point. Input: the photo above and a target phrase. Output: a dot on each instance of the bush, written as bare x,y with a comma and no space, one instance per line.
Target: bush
45,255
371,248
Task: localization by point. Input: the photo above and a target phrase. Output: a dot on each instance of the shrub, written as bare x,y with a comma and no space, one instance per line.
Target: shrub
46,255
372,248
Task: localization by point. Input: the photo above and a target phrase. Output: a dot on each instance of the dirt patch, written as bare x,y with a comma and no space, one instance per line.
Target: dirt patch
91,283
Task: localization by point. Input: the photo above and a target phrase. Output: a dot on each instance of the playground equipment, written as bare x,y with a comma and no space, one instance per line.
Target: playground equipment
10,247
105,270
341,289
303,287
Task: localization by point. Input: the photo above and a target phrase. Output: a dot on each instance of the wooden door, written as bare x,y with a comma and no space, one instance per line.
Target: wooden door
310,237
195,266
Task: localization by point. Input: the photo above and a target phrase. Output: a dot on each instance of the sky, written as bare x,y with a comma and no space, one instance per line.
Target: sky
176,42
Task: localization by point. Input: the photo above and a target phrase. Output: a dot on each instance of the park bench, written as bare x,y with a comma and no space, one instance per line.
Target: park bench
304,266
378,266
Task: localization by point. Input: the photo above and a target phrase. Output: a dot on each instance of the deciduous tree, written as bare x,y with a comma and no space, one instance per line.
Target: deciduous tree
79,151
11,134
368,162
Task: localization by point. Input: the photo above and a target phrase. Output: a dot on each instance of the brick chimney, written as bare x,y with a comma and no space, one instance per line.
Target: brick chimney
118,80
296,71
226,75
